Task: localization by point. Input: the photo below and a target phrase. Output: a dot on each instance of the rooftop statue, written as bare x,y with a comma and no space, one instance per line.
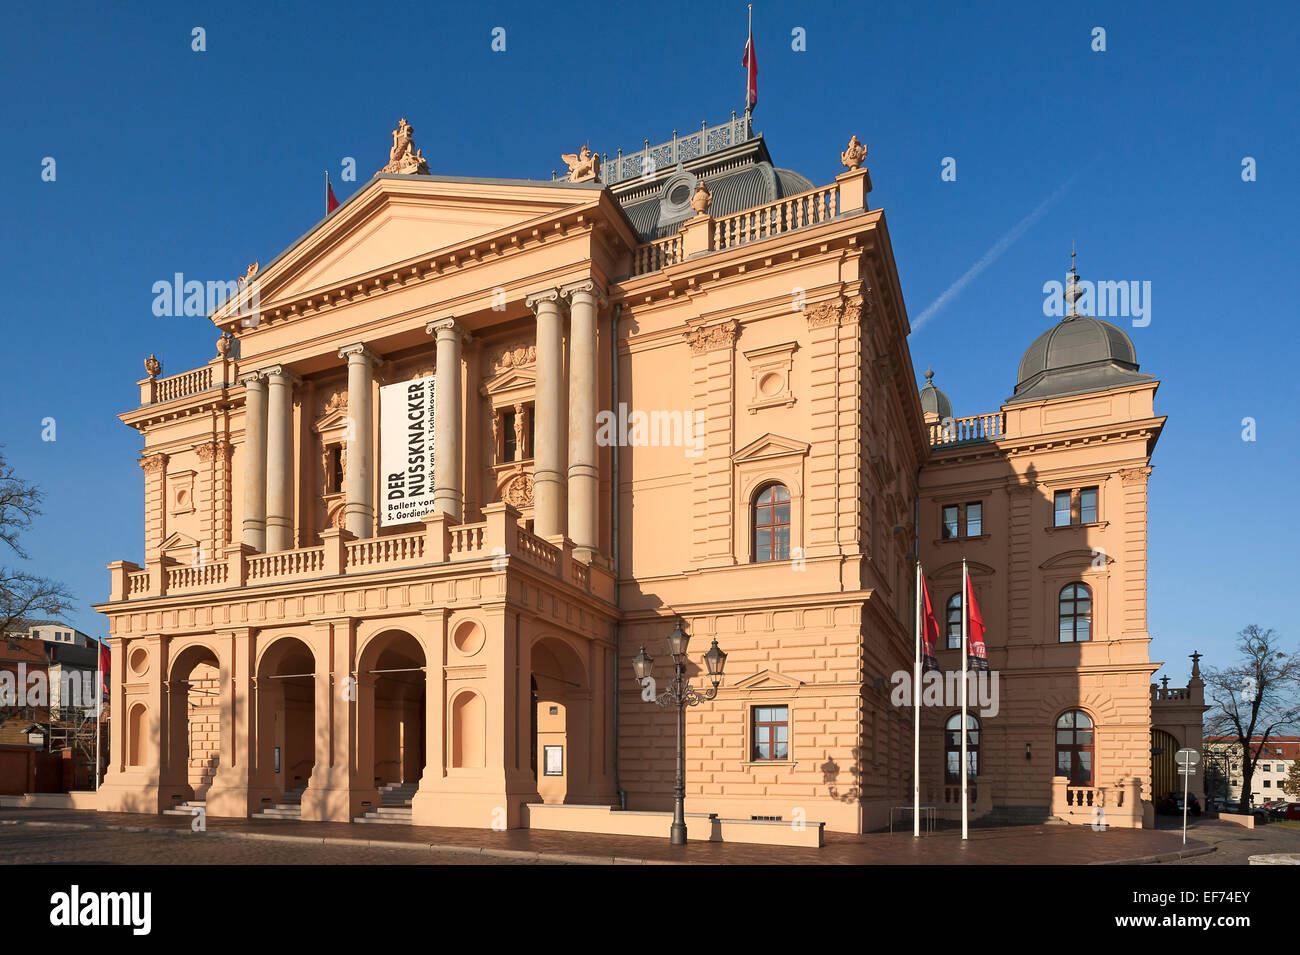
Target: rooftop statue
403,158
152,366
584,166
248,273
853,156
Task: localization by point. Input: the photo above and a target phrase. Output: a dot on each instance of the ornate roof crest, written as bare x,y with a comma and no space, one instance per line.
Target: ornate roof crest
584,165
403,157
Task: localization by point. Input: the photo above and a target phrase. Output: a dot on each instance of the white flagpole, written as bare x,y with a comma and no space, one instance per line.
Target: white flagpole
916,706
965,615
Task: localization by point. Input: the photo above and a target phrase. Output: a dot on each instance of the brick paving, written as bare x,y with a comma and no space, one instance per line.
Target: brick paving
1013,845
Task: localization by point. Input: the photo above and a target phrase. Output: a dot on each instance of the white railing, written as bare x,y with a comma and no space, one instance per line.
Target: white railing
650,161
776,218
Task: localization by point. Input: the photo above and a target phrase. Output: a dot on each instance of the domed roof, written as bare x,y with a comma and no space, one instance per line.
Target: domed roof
934,401
1077,355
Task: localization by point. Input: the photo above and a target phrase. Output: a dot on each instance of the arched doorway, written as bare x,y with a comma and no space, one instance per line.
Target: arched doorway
561,705
286,715
391,685
194,722
1164,771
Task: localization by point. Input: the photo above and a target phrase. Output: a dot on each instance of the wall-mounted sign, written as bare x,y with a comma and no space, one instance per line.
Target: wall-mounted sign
406,451
554,761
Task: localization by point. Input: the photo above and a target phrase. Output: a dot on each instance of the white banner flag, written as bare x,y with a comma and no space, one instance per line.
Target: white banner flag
406,422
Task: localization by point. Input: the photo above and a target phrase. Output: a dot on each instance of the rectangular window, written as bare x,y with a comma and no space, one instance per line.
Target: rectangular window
1088,506
950,522
1268,784
974,519
771,733
1062,503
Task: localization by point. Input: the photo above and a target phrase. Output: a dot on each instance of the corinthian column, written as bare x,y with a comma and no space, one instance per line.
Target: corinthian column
584,303
548,455
358,480
279,458
254,451
448,495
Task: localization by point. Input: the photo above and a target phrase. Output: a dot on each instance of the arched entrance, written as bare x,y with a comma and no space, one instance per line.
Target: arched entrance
194,722
286,715
391,694
1164,771
561,720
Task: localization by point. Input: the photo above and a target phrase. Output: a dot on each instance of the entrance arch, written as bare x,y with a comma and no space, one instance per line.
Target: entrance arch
391,704
1164,771
193,722
561,722
286,715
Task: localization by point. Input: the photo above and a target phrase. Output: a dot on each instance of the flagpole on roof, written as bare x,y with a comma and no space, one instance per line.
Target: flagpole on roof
99,707
916,723
965,616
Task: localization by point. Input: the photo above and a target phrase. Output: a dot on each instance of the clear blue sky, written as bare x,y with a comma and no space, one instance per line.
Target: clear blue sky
170,161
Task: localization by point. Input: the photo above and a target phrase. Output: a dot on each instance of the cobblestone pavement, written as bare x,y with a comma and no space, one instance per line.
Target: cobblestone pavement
1234,844
31,845
1012,845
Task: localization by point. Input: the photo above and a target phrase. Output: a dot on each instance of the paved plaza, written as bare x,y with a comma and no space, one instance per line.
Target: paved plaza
32,835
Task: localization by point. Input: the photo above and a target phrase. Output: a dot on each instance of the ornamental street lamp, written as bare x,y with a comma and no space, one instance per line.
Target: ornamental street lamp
681,695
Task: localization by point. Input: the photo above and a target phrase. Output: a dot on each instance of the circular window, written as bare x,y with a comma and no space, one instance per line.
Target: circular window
770,384
139,661
680,194
468,638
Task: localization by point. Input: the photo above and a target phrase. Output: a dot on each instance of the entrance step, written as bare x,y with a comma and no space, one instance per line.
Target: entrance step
289,806
185,808
388,815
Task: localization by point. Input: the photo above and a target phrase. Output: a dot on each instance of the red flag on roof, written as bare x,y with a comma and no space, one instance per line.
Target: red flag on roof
330,202
750,63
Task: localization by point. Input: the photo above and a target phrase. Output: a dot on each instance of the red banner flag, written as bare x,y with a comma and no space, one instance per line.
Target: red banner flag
929,631
977,654
105,659
330,202
750,63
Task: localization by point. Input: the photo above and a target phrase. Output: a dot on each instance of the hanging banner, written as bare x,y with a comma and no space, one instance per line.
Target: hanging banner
406,451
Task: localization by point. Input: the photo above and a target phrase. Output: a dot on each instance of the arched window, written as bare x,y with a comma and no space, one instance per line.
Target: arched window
772,523
954,622
1076,613
1074,747
952,747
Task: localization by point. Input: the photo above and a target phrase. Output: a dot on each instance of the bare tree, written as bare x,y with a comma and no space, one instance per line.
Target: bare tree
23,594
1255,699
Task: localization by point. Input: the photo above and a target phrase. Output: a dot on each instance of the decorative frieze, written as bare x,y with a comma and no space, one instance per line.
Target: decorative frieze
713,337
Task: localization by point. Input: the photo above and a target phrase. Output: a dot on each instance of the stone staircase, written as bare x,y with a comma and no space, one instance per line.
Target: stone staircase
1020,816
289,806
394,807
186,808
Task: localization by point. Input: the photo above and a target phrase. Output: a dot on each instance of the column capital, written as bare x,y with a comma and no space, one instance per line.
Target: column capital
588,287
545,295
360,352
282,373
252,377
447,327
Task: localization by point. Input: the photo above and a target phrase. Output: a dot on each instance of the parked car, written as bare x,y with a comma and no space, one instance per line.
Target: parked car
1174,805
1291,812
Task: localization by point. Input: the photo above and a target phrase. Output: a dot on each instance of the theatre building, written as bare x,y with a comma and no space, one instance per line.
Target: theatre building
469,444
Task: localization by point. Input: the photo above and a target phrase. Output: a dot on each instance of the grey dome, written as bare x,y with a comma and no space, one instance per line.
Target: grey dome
1077,355
934,401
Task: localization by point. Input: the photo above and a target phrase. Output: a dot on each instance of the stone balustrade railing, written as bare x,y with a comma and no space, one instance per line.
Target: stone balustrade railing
500,538
1163,693
705,233
982,427
218,373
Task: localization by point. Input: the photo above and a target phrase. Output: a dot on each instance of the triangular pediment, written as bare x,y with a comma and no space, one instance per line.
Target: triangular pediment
396,218
509,380
770,446
178,541
767,680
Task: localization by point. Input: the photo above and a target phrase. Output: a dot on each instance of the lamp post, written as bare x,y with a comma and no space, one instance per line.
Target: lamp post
681,695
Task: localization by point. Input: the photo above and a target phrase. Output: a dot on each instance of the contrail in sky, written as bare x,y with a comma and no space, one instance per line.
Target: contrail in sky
991,255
